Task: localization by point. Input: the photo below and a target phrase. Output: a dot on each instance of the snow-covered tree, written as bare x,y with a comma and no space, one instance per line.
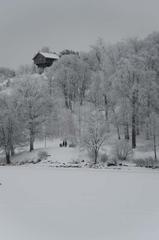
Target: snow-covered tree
72,76
154,120
33,104
12,133
95,134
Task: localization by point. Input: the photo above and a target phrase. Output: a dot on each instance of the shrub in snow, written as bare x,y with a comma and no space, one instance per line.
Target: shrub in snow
122,150
72,145
104,158
112,162
148,162
139,162
42,155
75,162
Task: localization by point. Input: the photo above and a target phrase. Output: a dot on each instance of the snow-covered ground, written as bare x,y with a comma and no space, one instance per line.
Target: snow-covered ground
56,153
43,203
64,156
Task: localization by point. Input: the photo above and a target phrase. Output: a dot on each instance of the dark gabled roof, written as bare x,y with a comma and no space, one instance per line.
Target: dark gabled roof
47,55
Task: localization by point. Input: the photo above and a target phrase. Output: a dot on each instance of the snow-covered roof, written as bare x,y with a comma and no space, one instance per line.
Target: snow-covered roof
49,55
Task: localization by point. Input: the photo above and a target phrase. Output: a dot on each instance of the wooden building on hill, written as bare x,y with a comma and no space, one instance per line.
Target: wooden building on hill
45,59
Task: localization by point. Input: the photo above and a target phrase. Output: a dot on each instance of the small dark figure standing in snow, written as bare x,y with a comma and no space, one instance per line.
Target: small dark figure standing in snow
64,143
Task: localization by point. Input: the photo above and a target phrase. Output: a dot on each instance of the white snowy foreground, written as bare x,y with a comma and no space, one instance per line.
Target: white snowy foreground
78,204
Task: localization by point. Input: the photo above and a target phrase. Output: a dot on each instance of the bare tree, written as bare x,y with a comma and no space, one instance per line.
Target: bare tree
33,99
11,129
72,75
95,134
154,120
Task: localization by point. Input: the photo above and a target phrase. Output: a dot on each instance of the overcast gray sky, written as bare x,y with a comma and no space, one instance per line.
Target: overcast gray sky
28,25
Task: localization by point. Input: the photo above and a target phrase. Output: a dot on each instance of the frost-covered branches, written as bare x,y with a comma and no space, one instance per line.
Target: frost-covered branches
95,134
33,99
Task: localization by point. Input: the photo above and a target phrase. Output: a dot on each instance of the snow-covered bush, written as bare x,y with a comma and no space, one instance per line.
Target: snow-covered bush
72,145
112,162
104,158
140,162
148,162
122,150
42,155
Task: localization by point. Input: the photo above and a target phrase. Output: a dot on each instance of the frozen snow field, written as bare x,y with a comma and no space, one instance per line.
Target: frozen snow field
78,204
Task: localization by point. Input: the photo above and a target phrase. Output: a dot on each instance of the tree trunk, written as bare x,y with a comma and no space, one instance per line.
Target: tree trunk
79,123
66,102
154,145
82,95
133,132
148,132
70,104
50,85
118,132
31,146
106,107
10,136
95,156
137,115
127,131
31,141
133,121
8,157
